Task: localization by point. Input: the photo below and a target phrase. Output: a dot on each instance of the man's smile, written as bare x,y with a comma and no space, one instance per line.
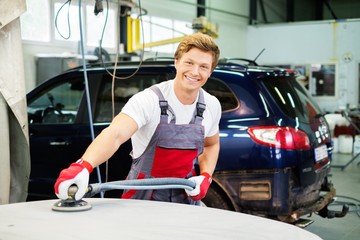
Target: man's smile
192,79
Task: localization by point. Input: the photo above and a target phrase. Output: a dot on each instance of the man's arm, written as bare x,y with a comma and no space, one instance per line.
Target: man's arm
208,159
101,149
109,140
207,163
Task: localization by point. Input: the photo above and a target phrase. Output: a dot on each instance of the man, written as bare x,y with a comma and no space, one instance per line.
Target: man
171,125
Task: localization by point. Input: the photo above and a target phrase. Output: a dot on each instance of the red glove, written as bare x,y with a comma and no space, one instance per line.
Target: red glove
77,173
202,183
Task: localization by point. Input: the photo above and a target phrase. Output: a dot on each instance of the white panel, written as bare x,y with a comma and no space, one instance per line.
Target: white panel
10,10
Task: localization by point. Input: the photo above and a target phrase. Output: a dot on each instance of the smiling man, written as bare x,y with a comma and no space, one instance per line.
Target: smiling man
172,125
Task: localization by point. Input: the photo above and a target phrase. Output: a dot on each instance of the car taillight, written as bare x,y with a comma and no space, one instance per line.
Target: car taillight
280,137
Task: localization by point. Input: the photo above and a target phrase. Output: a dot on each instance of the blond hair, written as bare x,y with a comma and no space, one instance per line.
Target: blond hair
201,41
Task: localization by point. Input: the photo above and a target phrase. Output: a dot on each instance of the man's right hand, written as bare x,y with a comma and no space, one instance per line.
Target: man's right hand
78,174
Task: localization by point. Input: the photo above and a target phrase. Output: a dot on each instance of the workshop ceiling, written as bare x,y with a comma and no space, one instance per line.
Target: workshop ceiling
277,11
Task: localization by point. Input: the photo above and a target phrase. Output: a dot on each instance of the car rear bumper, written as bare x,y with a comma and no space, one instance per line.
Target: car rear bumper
273,193
322,203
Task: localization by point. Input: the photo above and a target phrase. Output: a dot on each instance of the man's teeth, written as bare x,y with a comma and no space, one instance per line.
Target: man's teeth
192,79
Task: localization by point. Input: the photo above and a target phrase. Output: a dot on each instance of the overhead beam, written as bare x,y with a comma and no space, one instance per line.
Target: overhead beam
212,9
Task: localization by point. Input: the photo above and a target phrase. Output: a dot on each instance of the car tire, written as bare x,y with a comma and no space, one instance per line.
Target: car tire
216,198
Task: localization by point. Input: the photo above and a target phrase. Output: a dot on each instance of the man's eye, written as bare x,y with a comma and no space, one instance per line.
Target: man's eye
188,62
205,67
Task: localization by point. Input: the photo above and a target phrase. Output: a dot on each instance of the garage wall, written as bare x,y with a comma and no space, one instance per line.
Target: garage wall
30,51
313,42
232,28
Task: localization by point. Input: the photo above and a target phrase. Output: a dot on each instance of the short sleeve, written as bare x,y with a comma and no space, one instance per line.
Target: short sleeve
141,107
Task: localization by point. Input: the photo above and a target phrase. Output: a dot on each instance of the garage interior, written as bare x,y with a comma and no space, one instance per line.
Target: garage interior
38,42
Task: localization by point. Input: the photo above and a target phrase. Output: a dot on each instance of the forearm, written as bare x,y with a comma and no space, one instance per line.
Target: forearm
110,139
208,159
102,148
207,163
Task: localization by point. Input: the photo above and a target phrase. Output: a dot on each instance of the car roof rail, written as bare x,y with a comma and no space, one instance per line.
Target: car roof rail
92,65
111,64
154,59
229,60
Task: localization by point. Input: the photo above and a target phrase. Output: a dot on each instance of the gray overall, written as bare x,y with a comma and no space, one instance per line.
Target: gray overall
172,152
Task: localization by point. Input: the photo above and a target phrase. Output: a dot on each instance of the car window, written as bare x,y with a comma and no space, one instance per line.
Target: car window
58,104
223,93
292,98
124,89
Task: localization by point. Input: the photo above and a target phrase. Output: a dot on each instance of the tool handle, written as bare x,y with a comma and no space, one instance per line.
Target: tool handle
73,189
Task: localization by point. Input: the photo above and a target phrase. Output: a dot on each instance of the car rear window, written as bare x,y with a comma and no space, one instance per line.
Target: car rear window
292,98
223,93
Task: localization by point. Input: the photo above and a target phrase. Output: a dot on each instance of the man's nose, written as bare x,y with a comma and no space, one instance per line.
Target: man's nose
195,69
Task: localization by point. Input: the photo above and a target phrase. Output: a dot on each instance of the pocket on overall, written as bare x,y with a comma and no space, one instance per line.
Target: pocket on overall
173,162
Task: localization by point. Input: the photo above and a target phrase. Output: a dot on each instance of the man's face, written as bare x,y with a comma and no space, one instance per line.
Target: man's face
193,69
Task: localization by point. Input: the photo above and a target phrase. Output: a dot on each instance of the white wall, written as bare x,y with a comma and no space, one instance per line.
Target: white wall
313,42
232,28
30,50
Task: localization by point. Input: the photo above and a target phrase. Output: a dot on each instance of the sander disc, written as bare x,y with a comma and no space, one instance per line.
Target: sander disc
71,205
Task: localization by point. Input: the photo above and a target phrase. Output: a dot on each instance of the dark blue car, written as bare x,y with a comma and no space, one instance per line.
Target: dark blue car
275,142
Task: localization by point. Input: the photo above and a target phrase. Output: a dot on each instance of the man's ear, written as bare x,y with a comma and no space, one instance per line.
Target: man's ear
175,62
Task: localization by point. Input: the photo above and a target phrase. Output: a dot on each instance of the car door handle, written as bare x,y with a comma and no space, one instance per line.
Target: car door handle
59,143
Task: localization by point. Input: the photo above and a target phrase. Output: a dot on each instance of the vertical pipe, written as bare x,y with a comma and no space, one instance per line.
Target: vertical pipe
290,8
129,35
87,92
253,12
137,33
124,26
319,12
200,10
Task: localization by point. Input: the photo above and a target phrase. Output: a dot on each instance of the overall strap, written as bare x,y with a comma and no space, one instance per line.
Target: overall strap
200,108
164,106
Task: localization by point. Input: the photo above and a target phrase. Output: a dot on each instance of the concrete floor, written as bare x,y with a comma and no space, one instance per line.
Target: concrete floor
347,184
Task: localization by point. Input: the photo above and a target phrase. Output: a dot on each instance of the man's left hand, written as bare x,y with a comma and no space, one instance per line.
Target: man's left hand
202,183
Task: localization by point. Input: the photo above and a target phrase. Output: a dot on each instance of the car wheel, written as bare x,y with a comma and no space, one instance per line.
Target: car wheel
216,198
